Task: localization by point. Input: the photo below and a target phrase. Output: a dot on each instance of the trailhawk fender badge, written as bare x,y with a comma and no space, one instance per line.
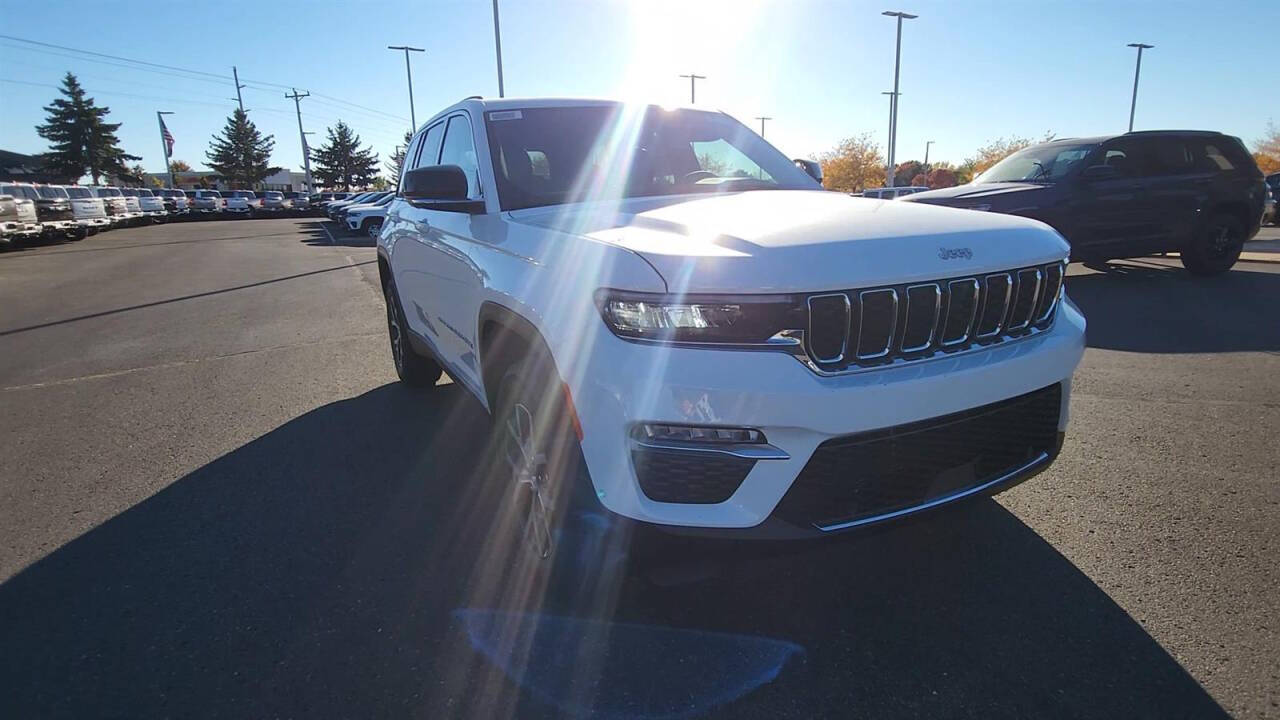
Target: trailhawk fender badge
955,253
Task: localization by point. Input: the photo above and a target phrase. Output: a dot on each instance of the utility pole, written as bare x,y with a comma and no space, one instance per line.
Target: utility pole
692,89
497,44
413,119
1133,105
927,143
306,154
165,139
897,63
240,99
762,119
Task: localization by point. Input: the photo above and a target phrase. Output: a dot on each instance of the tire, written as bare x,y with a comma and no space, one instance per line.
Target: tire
552,545
1215,247
373,228
412,368
78,234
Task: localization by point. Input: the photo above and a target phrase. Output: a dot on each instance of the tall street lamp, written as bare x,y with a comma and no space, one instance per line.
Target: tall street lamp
412,117
893,106
897,61
497,44
1133,105
927,143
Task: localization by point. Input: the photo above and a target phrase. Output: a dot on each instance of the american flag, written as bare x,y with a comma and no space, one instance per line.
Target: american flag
168,139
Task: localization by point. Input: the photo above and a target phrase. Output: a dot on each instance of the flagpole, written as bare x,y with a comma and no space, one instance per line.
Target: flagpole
164,146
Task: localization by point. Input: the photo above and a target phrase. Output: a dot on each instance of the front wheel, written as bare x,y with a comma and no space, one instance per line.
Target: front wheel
412,368
1215,247
373,228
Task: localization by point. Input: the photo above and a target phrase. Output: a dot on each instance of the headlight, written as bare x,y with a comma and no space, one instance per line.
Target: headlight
759,320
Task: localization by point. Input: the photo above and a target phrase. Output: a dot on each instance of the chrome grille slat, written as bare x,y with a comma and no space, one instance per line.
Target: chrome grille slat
968,312
1014,324
840,322
974,289
893,324
933,324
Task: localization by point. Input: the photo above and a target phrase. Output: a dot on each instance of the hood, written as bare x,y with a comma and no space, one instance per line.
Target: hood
974,191
362,208
803,241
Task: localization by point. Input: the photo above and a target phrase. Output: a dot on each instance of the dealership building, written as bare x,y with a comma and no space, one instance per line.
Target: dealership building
284,180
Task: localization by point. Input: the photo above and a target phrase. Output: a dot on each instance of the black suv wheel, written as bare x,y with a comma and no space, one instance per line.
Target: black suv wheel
1215,247
412,368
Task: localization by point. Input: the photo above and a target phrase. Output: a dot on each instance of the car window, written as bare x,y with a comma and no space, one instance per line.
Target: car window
721,159
1214,159
459,149
1171,156
429,151
79,192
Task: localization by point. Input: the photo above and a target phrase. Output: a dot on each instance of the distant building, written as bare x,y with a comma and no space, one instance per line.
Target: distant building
284,180
24,168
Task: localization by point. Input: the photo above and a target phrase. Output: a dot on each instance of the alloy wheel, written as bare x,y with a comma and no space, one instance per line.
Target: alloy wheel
529,475
375,230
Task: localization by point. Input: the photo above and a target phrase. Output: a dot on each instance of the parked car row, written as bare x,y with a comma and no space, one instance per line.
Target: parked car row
31,211
362,212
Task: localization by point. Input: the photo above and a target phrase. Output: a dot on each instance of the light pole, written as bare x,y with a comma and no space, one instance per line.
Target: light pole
693,79
413,119
497,44
927,143
1133,105
893,106
897,62
762,119
166,141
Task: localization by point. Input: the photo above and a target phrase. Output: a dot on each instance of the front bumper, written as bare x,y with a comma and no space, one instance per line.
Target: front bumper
60,226
628,383
96,222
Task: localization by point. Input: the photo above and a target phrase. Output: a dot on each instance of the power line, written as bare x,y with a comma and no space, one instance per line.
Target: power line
202,75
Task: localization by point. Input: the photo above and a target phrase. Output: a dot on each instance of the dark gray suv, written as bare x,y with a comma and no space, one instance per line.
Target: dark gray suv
1193,192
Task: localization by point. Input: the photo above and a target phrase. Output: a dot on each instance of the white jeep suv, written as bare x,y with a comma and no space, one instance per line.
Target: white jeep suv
732,348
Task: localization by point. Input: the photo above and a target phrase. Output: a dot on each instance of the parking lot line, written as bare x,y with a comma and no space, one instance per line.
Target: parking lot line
325,226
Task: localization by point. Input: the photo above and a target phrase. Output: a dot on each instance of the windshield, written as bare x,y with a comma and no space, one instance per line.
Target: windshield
128,192
18,191
547,156
49,191
210,193
145,193
79,192
108,192
273,195
1042,164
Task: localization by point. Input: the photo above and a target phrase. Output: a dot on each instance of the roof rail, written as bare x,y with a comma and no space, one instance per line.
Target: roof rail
1173,132
473,97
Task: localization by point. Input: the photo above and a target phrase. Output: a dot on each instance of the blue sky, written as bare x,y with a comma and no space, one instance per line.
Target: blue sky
972,71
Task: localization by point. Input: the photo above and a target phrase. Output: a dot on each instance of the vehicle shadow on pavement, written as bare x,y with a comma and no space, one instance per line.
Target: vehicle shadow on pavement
325,570
314,233
1145,306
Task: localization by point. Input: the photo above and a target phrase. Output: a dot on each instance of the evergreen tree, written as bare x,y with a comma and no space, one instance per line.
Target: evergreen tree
242,155
341,162
81,141
396,164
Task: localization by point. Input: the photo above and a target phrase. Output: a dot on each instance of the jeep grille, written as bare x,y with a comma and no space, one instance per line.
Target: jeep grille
878,326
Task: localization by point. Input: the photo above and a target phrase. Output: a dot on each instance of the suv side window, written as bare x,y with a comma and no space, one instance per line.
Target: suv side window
1129,157
1214,159
460,150
429,150
1171,156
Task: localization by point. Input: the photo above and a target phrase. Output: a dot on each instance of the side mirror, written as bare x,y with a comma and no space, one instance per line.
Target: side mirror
811,168
440,187
1094,173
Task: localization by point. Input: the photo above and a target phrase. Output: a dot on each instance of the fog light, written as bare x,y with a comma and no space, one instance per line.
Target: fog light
689,433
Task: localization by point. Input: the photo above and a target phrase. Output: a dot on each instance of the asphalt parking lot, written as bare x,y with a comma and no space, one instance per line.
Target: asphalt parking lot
217,502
